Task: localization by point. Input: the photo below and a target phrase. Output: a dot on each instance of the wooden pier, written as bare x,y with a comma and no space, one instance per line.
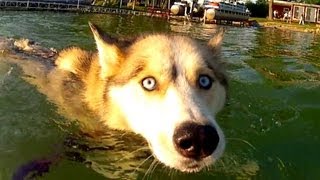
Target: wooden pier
52,6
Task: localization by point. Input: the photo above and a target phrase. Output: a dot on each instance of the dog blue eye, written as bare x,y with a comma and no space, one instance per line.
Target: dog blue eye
149,83
205,82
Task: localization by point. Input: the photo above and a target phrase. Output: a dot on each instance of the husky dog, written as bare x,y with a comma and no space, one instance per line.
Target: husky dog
167,88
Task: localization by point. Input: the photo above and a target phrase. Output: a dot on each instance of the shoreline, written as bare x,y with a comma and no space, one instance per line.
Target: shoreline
162,13
293,26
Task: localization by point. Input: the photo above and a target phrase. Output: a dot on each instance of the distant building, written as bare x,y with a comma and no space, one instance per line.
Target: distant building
310,12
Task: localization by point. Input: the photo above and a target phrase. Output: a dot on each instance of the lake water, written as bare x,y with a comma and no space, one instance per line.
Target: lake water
271,121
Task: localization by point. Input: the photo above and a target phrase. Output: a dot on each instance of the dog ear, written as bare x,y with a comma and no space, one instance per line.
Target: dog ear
216,41
110,55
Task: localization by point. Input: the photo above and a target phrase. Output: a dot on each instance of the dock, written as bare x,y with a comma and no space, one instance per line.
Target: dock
66,7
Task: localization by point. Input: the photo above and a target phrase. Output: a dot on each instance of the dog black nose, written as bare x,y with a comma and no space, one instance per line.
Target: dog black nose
195,141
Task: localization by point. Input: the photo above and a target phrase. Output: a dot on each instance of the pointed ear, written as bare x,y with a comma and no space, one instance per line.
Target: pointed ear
216,41
110,56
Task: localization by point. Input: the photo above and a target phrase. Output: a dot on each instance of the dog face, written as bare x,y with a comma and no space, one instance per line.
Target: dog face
167,89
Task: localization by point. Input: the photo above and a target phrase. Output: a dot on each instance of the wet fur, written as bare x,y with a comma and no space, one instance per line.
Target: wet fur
106,85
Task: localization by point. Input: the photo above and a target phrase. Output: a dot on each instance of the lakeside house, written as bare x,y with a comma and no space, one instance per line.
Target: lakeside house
310,12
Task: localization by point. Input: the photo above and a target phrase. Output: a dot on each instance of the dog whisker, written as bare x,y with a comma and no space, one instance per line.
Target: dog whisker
123,134
281,162
207,169
222,162
145,173
145,160
234,161
170,173
154,162
173,172
149,175
154,167
244,141
133,152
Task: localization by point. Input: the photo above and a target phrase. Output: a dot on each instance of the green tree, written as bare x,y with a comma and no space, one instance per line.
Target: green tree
312,1
307,1
258,9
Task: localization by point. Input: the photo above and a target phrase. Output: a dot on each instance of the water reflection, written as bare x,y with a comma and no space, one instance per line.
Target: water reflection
114,155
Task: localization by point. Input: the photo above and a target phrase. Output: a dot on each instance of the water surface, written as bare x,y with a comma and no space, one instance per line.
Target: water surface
271,120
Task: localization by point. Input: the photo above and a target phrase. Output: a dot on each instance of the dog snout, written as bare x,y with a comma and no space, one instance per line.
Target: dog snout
195,141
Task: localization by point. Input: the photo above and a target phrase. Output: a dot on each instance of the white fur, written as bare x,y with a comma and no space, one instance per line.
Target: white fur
156,117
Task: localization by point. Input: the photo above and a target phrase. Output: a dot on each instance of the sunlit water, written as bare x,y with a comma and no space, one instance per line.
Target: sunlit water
271,120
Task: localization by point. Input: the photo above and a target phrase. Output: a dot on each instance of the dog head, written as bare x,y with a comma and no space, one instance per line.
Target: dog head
167,89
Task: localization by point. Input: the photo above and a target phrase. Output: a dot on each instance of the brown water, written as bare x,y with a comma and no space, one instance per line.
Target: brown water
271,120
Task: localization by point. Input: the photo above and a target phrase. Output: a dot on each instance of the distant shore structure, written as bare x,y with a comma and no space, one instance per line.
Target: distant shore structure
83,6
226,12
292,11
212,10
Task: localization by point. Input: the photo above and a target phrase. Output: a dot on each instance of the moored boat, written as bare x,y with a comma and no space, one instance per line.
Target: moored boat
212,9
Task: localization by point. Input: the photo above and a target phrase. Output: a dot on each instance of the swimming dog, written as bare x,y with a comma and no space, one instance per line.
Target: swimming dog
166,88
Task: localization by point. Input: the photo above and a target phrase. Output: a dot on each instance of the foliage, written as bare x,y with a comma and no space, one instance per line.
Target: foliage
262,2
313,1
258,9
309,1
